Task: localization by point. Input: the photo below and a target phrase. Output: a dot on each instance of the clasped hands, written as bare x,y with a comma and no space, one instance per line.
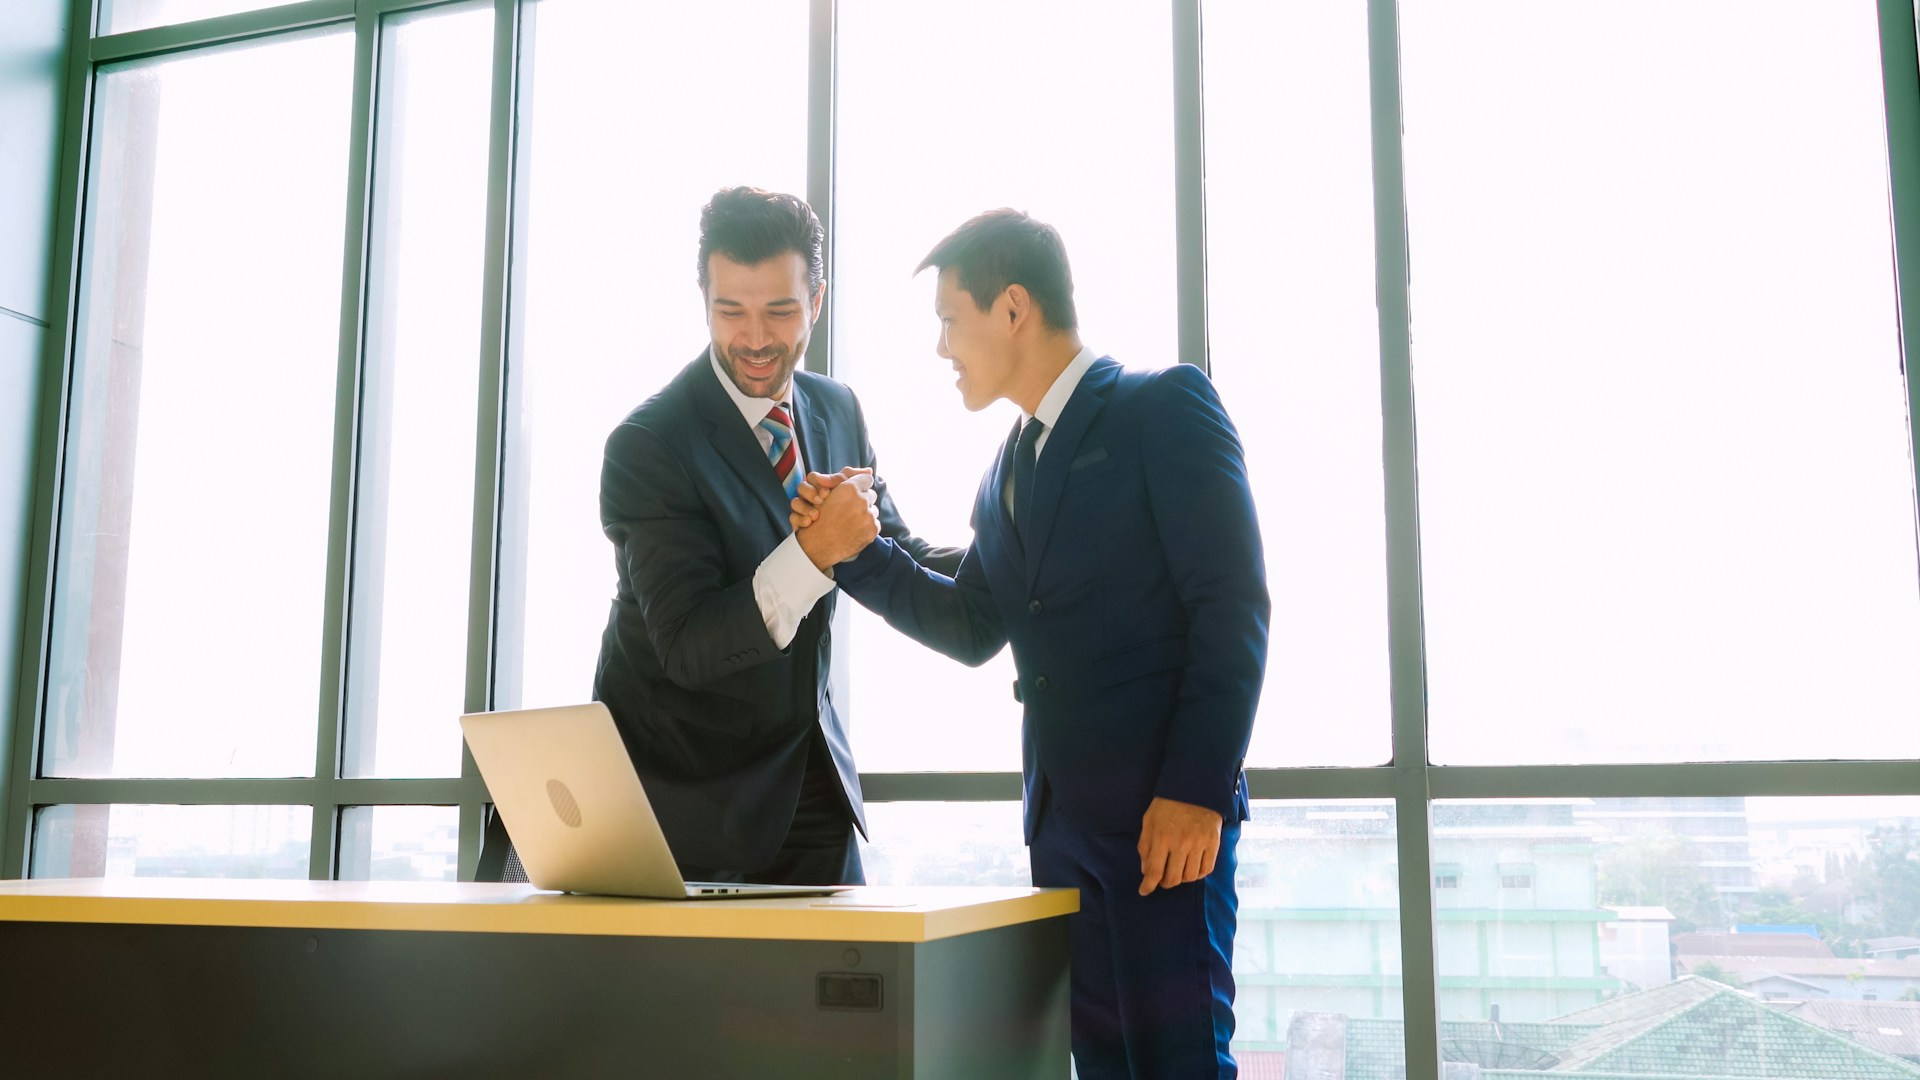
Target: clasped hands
834,520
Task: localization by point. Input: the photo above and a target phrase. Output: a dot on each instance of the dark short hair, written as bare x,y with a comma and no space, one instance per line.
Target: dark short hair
750,226
1006,247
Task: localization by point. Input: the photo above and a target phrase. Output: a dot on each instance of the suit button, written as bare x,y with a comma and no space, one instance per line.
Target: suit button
1040,684
1033,607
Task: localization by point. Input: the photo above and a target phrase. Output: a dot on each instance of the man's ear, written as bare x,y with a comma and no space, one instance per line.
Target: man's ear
819,298
1019,305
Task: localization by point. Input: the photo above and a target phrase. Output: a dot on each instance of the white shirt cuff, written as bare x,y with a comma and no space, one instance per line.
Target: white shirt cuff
786,586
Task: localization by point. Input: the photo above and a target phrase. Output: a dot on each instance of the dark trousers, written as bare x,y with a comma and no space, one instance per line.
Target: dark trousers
820,848
1152,985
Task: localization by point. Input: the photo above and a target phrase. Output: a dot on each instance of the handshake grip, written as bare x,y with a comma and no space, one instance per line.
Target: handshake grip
835,516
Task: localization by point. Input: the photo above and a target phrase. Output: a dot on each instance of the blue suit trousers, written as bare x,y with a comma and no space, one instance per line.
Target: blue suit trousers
1152,985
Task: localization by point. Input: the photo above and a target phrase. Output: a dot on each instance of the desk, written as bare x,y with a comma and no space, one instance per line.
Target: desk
177,977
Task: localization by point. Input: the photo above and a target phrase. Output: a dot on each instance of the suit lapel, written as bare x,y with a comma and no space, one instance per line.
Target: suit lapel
736,444
1056,458
815,453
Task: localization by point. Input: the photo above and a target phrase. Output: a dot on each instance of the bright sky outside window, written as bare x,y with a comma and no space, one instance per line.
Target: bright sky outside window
621,157
407,668
192,559
1294,346
919,152
1666,496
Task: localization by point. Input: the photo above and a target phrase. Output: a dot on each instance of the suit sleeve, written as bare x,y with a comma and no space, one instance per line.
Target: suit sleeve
701,626
1202,509
945,560
954,616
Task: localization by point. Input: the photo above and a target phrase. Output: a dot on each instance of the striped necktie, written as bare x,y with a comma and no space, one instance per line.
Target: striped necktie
781,452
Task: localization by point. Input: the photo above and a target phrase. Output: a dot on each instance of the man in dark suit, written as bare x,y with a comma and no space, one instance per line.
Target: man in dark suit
715,658
1115,546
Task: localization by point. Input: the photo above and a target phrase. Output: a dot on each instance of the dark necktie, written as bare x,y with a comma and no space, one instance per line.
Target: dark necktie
1024,456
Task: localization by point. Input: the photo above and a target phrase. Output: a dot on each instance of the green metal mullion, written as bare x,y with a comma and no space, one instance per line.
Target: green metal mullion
1323,783
1405,628
1900,84
346,437
820,116
1189,185
322,795
495,320
1764,778
20,747
940,787
219,30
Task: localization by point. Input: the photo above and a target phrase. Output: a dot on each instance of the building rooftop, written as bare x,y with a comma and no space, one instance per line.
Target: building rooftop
1692,1028
1723,943
1891,1027
1753,967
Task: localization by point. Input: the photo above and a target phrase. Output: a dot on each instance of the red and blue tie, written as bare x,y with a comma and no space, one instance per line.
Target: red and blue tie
781,452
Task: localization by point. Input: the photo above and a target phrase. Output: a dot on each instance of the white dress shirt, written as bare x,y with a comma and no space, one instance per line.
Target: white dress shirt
787,584
1054,402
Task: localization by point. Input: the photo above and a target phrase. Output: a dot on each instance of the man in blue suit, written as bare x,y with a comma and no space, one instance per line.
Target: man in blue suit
1115,547
715,658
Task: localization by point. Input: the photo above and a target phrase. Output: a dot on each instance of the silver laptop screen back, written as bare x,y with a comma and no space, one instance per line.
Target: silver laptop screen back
564,785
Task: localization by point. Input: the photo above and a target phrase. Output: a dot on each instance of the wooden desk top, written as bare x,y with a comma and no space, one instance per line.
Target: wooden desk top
873,913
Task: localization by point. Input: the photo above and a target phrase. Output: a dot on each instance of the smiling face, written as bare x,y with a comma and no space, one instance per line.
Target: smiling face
979,343
760,317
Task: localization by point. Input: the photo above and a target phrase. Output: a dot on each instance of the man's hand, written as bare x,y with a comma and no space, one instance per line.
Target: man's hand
1178,843
845,521
805,507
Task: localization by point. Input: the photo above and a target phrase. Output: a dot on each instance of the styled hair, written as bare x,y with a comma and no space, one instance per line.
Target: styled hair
750,226
1006,247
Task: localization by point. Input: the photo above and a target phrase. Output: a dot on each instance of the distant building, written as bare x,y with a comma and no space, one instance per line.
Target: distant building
1634,946
1715,828
1891,1027
1780,978
1691,1028
1517,926
1892,948
1730,943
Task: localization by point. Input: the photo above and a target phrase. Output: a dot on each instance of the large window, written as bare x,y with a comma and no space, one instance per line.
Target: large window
1587,731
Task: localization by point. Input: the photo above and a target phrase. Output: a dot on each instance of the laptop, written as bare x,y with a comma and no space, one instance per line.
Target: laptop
563,783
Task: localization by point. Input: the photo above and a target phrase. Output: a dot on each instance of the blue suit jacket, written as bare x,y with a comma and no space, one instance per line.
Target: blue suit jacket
716,717
1135,600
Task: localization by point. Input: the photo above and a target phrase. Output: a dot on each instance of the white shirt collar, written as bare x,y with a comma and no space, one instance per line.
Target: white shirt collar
754,409
1055,400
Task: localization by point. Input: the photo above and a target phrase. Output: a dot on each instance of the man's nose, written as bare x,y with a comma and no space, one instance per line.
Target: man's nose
758,333
940,347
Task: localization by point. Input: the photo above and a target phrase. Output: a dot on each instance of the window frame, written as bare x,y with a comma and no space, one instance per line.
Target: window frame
1409,780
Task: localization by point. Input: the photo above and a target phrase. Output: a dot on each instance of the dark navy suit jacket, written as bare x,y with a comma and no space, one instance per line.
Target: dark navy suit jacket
1135,600
716,717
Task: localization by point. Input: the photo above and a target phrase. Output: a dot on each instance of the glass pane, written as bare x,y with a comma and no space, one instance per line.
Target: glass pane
132,840
400,843
913,163
1317,953
1317,950
618,166
120,16
407,671
1666,497
1721,937
193,534
1294,346
942,843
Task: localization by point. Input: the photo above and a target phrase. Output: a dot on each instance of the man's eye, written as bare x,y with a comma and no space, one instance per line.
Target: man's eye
729,314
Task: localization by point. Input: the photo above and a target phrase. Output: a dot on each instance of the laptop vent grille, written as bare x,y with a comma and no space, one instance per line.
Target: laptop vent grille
563,803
